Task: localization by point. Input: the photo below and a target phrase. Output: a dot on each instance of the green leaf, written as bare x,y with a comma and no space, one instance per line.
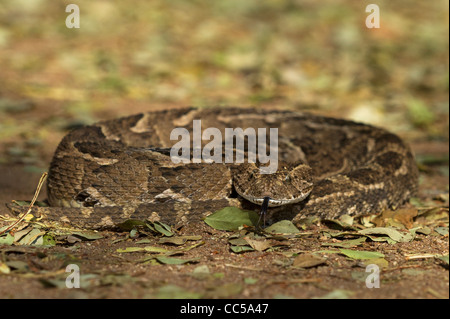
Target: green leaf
184,249
382,238
441,230
241,249
149,249
231,218
89,235
175,261
282,227
435,214
163,228
381,262
129,224
153,249
389,231
338,224
7,240
421,230
178,240
444,258
360,254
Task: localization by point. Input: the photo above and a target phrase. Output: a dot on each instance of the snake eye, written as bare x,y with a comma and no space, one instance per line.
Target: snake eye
287,178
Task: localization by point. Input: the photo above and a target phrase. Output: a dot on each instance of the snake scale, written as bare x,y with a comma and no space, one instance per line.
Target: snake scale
121,169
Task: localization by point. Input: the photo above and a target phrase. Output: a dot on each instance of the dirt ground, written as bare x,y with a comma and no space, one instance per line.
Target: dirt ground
216,271
287,54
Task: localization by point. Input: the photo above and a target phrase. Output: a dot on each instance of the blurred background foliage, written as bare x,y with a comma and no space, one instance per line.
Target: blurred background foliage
137,55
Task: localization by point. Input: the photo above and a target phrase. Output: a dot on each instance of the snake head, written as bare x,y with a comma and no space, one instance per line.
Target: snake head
291,183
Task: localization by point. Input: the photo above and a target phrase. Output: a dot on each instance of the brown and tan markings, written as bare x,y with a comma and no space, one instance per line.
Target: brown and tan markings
115,170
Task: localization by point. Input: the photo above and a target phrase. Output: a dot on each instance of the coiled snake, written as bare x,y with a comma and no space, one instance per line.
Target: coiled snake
121,169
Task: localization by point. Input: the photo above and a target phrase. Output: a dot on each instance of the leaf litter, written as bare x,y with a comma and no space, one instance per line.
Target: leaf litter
345,233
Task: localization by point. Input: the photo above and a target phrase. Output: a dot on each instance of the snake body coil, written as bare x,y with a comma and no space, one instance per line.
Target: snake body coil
115,170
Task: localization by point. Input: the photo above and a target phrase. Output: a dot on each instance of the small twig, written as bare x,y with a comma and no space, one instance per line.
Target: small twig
36,194
420,256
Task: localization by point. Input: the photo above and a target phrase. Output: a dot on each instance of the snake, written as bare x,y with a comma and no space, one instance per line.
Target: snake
120,169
